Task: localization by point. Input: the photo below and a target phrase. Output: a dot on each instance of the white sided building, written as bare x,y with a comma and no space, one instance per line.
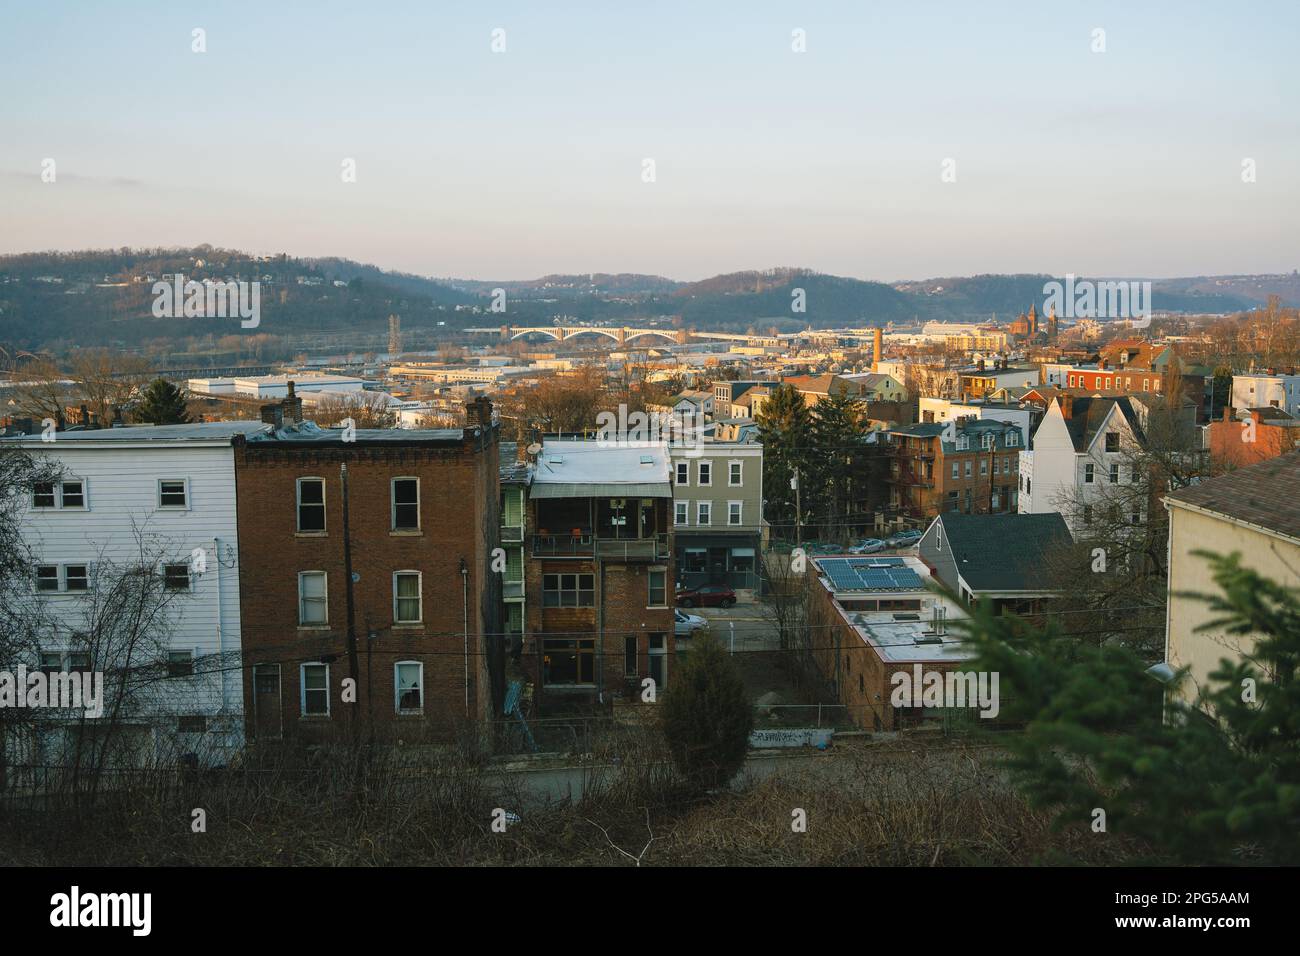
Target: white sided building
167,493
1265,390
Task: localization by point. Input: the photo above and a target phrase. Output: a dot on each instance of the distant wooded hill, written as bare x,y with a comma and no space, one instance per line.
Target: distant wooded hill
57,300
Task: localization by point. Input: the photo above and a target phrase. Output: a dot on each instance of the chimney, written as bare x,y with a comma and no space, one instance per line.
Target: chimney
84,419
292,405
878,346
478,413
273,414
1103,364
1067,405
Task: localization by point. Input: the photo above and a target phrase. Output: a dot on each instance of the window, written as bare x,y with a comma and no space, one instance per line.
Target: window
658,581
968,468
62,577
76,577
313,603
734,512
1114,473
704,513
568,661
1087,514
59,494
176,577
180,663
984,467
1029,486
706,473
408,687
171,493
407,606
79,661
311,505
735,473
681,512
43,494
315,690
683,472
629,656
192,724
568,590
1088,469
1071,381
956,469
1013,439
1112,441
406,504
51,662
74,494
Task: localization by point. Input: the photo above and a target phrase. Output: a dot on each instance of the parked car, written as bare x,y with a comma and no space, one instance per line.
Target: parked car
868,546
708,595
825,549
685,625
905,539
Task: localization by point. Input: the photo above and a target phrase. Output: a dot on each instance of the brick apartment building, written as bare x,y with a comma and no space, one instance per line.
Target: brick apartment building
599,573
973,469
368,558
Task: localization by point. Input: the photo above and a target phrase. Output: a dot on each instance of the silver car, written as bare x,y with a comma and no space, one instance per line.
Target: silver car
685,625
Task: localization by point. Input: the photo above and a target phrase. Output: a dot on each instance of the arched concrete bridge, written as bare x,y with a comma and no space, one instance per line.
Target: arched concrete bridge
562,333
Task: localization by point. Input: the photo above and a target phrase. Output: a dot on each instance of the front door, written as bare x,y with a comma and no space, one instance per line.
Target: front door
266,701
659,661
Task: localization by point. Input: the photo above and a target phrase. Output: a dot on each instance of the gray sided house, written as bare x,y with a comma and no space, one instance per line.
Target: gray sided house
718,513
1001,558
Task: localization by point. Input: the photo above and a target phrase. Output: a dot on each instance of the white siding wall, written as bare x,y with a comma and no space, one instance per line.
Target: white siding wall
122,499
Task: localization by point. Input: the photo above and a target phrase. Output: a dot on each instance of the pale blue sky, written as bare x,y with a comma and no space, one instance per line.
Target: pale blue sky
512,165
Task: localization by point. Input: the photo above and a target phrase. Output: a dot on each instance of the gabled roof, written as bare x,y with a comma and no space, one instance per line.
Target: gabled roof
1263,495
1089,415
995,553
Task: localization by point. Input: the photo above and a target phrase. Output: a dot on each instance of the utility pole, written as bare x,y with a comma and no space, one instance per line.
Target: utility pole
798,509
353,666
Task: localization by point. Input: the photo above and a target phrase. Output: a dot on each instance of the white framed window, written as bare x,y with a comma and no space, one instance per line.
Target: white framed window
683,472
59,495
408,603
704,513
1088,470
735,512
735,473
1013,439
311,505
706,474
55,578
984,467
657,584
176,577
173,493
956,469
408,687
180,663
968,464
681,513
406,504
313,598
315,690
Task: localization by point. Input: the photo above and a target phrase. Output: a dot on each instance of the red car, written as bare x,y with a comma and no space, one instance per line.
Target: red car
707,595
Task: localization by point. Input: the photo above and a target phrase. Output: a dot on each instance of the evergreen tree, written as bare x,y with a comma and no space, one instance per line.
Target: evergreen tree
1217,783
785,429
707,716
163,404
838,427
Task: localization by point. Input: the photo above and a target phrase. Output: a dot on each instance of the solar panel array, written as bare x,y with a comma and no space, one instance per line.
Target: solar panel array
871,574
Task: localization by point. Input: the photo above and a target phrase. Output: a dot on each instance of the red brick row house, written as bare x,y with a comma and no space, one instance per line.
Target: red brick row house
369,602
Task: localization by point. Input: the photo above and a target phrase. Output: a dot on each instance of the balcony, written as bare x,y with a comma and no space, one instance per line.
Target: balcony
611,549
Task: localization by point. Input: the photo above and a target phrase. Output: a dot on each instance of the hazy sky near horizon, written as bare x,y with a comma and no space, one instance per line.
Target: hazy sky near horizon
511,165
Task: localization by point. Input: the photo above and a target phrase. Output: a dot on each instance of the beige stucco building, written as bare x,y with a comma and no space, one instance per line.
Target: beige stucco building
1254,511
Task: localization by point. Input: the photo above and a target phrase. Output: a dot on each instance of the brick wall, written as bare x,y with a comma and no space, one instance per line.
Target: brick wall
458,519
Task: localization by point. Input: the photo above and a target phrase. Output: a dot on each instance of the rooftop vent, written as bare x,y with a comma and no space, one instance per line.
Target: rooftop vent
555,460
907,616
929,639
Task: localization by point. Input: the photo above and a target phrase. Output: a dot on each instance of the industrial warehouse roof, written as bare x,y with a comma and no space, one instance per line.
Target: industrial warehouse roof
592,469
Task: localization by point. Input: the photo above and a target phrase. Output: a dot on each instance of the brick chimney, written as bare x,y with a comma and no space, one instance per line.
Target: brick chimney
273,414
878,349
1067,405
478,412
292,405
